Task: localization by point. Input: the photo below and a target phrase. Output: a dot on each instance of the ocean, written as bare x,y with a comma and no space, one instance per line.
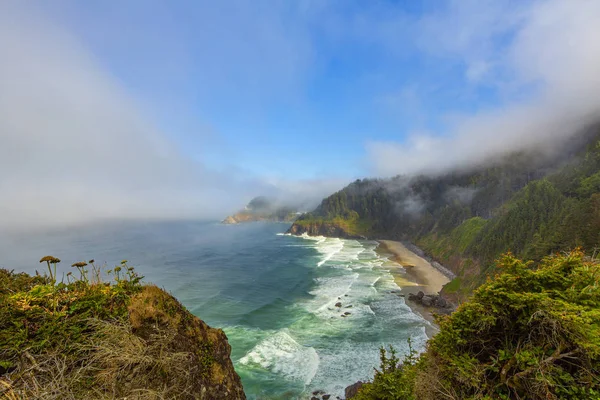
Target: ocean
273,294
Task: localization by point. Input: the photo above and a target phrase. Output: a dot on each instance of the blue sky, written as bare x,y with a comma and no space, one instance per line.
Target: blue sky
293,87
191,108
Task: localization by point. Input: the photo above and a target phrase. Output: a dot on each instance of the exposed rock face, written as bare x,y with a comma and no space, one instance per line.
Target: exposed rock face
432,300
322,229
352,390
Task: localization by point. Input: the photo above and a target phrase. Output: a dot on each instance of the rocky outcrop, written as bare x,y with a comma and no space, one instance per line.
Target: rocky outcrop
432,300
328,229
205,351
353,389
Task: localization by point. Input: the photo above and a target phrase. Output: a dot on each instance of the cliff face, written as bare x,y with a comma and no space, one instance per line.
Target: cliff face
99,340
328,229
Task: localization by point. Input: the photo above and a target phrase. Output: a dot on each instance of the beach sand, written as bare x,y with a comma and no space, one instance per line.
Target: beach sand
416,274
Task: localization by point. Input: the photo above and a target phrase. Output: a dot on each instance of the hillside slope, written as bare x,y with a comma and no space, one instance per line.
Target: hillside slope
528,203
87,339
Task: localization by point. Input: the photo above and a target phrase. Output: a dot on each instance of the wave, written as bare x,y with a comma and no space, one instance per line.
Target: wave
326,347
283,355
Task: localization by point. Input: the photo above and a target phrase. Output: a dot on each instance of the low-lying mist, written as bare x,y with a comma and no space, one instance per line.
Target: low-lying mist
547,74
75,147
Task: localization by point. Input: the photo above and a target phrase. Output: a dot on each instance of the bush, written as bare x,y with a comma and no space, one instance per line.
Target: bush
530,333
394,380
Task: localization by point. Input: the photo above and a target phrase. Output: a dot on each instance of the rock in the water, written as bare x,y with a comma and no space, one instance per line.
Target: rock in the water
318,392
420,295
347,313
326,396
412,297
350,306
352,390
338,304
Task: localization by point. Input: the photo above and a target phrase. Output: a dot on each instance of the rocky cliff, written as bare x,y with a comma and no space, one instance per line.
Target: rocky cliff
328,229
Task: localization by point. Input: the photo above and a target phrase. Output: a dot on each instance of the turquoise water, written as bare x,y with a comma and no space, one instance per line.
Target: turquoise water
273,294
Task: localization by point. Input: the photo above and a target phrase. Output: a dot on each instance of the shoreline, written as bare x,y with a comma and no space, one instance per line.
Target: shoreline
414,274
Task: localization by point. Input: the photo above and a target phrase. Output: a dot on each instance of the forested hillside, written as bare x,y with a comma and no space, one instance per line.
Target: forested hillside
528,203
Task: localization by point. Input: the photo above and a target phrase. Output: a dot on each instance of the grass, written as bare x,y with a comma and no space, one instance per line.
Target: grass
92,339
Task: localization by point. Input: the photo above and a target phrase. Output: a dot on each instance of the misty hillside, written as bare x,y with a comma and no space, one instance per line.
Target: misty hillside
262,208
529,203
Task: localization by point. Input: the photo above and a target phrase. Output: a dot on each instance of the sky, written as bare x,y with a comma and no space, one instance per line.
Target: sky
164,109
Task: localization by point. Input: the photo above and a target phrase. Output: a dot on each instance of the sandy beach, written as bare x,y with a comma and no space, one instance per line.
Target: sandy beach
419,272
420,275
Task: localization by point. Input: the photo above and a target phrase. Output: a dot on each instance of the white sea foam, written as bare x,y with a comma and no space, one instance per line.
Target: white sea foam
329,248
345,347
327,292
281,354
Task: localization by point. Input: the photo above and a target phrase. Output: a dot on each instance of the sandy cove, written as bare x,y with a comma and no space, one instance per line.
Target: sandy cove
420,276
418,270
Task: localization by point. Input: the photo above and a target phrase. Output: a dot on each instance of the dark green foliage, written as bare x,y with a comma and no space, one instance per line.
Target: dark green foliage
529,225
260,204
393,380
531,333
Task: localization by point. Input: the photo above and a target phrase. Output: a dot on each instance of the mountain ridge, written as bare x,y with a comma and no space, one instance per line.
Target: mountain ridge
530,204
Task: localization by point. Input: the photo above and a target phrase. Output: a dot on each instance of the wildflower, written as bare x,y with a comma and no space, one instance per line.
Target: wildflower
51,260
79,264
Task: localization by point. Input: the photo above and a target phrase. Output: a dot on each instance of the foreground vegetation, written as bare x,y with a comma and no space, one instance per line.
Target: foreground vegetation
85,338
533,332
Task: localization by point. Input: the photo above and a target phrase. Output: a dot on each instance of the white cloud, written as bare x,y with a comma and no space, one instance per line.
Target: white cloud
76,147
549,47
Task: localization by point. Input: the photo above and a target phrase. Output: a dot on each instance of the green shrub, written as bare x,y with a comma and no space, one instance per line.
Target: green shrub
530,333
394,380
